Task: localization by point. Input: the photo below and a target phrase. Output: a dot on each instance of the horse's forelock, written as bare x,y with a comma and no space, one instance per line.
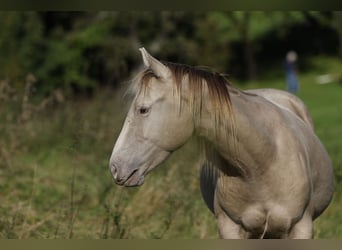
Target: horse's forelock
140,82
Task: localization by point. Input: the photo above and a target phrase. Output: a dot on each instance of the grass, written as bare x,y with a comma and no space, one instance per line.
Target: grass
55,181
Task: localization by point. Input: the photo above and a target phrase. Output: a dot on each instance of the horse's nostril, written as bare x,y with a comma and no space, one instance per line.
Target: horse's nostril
114,171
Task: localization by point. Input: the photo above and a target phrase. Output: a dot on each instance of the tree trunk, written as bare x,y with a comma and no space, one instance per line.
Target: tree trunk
248,49
338,25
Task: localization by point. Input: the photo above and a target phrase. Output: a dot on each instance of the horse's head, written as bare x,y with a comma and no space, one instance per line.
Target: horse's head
155,126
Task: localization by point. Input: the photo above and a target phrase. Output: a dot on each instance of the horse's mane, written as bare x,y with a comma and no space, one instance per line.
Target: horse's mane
198,79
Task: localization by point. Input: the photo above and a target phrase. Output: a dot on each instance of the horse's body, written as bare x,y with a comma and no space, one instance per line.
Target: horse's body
264,174
285,183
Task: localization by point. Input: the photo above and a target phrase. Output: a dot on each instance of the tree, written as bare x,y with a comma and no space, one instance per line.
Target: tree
246,27
337,23
77,51
20,40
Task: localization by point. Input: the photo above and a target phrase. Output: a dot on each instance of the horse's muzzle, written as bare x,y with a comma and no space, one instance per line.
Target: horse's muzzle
133,178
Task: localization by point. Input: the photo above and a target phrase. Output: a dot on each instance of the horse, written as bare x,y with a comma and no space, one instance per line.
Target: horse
264,172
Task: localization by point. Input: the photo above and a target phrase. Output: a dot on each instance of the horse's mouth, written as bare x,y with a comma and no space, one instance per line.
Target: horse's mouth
135,179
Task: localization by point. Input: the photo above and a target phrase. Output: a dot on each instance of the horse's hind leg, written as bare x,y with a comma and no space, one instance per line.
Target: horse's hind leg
303,229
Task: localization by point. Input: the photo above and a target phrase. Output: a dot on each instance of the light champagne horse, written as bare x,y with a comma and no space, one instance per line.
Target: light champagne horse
265,174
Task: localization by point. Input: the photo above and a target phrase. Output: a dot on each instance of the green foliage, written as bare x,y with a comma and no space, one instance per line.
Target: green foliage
65,61
21,36
77,51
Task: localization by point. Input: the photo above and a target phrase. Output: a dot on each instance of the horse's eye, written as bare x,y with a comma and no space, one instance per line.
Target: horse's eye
144,110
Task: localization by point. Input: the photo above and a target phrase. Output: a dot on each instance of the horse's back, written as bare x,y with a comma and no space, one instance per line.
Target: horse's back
285,100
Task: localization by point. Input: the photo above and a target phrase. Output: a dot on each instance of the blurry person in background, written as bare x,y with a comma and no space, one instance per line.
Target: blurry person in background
290,71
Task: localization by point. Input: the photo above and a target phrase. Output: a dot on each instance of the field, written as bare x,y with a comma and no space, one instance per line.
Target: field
55,181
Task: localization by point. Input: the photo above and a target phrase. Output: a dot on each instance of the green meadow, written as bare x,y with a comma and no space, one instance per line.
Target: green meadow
55,182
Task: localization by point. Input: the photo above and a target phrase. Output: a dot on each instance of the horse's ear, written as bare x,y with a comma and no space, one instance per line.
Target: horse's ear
156,66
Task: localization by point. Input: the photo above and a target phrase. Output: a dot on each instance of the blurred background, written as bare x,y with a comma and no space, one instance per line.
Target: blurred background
62,79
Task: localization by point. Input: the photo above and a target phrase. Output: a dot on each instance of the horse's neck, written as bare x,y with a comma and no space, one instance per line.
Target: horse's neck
248,147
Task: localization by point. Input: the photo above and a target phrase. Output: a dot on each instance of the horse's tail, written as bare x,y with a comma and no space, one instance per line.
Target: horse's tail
208,179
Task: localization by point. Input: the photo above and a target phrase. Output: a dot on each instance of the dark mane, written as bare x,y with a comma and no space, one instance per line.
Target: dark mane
216,83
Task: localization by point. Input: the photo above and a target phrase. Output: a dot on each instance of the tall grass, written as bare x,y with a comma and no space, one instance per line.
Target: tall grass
55,181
